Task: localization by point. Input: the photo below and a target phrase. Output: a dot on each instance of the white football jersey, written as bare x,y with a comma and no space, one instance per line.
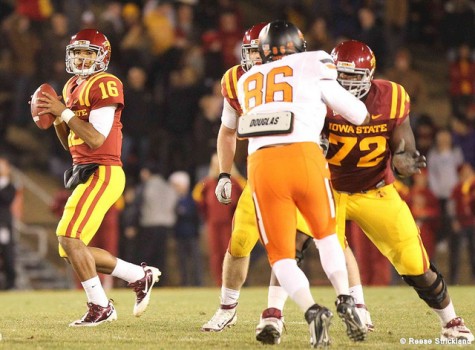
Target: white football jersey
302,83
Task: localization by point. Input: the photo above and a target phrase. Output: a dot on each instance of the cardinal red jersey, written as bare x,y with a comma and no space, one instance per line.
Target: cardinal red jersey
98,90
229,86
359,156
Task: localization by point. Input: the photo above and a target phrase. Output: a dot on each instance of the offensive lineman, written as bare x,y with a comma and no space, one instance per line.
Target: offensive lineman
361,159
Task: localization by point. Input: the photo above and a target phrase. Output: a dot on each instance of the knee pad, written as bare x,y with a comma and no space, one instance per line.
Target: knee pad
299,253
429,293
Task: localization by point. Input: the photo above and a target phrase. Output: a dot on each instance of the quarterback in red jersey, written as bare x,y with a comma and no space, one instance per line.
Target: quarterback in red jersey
362,160
88,125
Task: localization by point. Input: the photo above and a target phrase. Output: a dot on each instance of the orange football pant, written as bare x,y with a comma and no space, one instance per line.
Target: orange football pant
283,178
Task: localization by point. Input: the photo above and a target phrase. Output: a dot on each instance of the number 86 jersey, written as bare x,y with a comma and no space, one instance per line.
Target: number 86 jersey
360,156
83,96
289,84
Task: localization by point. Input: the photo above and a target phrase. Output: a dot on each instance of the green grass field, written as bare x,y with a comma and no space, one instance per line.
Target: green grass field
39,320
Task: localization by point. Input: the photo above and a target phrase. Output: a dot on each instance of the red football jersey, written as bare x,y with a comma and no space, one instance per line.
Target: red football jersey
229,86
359,156
98,90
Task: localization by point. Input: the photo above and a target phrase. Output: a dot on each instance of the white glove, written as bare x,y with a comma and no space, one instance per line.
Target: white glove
223,188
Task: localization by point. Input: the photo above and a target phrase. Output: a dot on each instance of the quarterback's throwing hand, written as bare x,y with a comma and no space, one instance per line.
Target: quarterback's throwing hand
223,189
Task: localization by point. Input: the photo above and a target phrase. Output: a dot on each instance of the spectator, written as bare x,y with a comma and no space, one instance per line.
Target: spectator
206,129
344,17
462,81
442,163
138,119
176,141
187,231
403,73
134,44
372,34
156,201
458,25
217,217
424,132
463,223
7,239
20,35
463,135
396,15
318,36
52,52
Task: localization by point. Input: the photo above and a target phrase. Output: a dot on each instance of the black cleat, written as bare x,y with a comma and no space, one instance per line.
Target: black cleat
346,309
319,319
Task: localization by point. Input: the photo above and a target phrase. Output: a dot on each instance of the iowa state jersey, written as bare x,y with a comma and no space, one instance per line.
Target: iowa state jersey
229,86
359,156
99,90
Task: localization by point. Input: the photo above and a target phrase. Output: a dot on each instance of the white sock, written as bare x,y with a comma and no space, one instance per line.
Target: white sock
229,296
276,297
294,282
357,293
333,262
446,314
127,271
94,291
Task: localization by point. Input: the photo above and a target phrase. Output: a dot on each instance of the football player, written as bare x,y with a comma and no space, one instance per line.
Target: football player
362,160
88,125
245,232
244,235
284,106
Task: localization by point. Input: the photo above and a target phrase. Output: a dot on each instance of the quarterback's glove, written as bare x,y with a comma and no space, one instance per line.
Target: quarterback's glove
223,188
407,163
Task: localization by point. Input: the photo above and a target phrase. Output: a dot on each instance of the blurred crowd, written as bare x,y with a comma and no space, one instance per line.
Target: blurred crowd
171,54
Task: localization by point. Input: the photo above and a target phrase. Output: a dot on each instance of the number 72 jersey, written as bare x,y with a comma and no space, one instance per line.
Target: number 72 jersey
359,156
98,90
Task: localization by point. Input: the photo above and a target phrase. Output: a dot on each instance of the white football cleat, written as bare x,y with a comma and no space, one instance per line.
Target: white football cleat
456,329
225,316
365,316
269,329
143,288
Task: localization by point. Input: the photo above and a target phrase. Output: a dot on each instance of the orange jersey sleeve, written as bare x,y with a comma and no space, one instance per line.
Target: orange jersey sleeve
98,90
229,86
359,156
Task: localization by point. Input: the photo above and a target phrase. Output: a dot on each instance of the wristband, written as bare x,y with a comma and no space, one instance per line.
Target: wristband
67,115
226,175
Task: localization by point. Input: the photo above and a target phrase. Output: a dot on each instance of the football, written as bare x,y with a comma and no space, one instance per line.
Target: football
43,121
